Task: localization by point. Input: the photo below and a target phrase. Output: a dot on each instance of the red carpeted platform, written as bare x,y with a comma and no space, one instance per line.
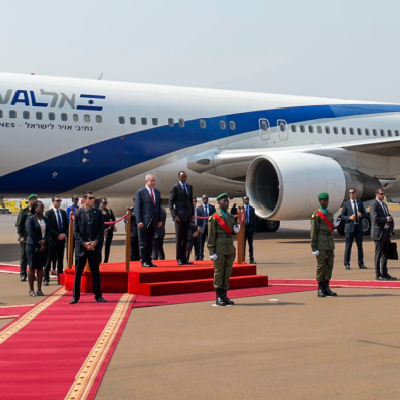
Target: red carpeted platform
167,279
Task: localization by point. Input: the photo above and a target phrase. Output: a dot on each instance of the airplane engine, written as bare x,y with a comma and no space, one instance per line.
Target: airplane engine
285,186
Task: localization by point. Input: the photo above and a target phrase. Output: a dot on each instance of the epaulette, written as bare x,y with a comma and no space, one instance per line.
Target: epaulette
210,218
312,216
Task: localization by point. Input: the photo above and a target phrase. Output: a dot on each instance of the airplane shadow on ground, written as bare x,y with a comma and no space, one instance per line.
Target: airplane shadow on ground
10,252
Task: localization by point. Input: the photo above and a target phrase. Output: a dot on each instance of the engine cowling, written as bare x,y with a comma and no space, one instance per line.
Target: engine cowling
285,186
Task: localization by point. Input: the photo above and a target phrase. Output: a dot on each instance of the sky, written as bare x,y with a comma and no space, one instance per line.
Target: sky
343,48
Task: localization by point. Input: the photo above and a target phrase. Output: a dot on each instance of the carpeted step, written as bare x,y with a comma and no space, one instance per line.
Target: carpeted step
195,286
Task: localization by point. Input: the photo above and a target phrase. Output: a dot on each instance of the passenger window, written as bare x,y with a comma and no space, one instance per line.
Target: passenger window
382,132
99,119
293,127
232,125
39,115
389,132
310,128
26,114
154,121
132,120
344,131
222,124
359,131
302,128
264,125
143,121
12,114
327,129
64,117
282,126
52,116
319,129
203,124
335,130
375,133
86,118
367,131
1,113
121,120
171,122
181,123
75,117
351,130
396,132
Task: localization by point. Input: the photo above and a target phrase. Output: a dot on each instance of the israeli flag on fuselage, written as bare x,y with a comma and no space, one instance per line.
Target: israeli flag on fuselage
89,106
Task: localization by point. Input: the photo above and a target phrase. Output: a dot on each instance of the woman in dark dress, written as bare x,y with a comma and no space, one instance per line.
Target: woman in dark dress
110,229
38,227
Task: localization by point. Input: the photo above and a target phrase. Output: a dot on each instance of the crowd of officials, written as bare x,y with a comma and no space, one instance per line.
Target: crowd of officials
43,236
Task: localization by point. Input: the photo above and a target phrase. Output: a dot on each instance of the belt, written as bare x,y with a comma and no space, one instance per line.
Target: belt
225,235
324,233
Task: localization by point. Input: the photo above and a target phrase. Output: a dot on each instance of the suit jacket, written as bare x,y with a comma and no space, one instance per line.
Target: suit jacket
378,219
146,211
211,209
81,230
180,203
51,215
35,231
347,212
252,225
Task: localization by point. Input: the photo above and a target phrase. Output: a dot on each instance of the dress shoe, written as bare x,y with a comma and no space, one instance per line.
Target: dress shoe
153,265
39,293
252,261
381,278
23,278
73,301
46,283
187,262
101,300
180,262
347,266
32,293
362,266
389,277
146,265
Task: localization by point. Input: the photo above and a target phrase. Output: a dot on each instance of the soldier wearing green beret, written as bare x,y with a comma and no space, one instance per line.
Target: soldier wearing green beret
23,234
221,227
322,245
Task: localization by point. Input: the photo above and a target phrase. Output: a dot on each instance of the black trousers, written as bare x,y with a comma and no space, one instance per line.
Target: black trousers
158,249
381,251
196,244
24,259
55,257
357,234
204,236
107,245
248,237
134,253
146,238
181,237
94,263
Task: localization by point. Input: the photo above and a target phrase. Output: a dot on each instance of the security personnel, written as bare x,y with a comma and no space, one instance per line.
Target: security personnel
221,227
322,245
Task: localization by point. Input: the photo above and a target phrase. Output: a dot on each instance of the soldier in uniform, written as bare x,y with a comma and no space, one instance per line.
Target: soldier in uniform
23,234
322,245
221,227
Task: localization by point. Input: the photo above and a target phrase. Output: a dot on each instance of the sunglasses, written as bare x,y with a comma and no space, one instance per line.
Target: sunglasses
57,201
91,198
381,193
105,202
351,192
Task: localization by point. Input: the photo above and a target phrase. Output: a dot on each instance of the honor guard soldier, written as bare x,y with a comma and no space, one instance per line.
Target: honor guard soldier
221,227
322,245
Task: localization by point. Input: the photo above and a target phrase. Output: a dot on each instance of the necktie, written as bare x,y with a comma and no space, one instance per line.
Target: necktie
195,217
60,226
152,196
385,209
356,211
185,188
247,215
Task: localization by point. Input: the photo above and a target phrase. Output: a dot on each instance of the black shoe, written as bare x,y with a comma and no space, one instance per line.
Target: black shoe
153,265
73,301
362,266
381,278
327,290
228,301
101,300
39,293
23,278
180,262
321,292
146,265
220,301
347,266
390,278
187,262
252,261
46,283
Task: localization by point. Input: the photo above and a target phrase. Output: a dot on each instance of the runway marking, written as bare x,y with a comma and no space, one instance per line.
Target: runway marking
16,326
90,368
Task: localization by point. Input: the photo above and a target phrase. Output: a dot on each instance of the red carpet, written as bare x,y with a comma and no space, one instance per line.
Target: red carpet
9,268
57,348
339,283
7,312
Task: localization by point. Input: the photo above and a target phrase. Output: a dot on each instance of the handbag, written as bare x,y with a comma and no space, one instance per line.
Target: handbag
392,252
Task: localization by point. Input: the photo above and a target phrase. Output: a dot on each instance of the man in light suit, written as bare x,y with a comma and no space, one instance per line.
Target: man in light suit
59,230
353,212
208,210
380,234
148,218
181,208
89,237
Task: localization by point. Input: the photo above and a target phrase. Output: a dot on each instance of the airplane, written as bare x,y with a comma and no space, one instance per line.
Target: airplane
67,135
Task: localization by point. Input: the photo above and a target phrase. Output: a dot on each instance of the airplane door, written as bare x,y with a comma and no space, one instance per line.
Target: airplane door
282,129
264,128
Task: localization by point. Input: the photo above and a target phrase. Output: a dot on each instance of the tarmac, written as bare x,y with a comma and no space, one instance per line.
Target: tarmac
286,346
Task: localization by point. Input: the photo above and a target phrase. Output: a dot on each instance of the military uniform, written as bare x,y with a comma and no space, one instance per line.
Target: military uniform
322,240
22,232
221,243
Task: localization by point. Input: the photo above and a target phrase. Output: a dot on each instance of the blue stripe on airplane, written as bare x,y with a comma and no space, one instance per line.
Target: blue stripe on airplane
65,172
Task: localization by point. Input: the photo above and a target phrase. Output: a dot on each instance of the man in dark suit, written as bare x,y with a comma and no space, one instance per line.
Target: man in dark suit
196,227
134,235
353,212
148,218
380,234
89,237
250,227
208,210
158,246
59,230
181,208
